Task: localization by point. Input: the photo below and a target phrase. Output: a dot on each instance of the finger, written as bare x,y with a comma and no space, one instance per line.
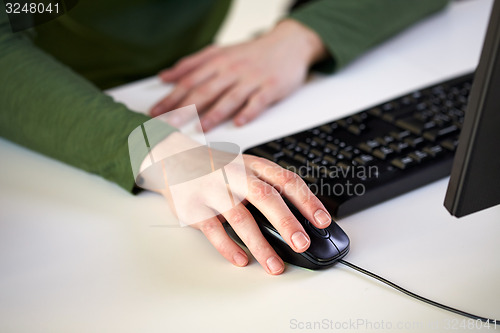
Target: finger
227,105
207,92
187,64
245,227
217,236
294,189
167,103
267,200
257,103
174,99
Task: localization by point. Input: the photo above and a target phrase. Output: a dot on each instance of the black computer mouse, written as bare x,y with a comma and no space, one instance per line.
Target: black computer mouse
327,245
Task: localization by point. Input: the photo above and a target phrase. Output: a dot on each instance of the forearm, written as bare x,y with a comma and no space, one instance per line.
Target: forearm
48,108
349,28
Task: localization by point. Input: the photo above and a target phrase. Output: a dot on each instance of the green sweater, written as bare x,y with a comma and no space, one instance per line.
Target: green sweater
51,77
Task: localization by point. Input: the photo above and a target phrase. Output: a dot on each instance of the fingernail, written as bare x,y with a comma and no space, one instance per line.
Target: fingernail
240,259
322,218
300,240
240,121
274,265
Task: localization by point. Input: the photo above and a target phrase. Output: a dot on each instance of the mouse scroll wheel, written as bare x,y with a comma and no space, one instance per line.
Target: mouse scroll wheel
320,232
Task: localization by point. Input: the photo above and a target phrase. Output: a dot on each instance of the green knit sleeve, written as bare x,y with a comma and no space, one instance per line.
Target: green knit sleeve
47,107
350,27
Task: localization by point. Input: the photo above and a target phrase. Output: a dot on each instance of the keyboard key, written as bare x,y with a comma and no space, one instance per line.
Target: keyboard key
322,135
315,131
385,140
383,152
344,166
399,147
357,129
450,144
345,122
411,124
274,145
416,95
433,150
347,153
316,152
438,89
298,149
400,135
419,156
360,117
414,142
301,158
330,159
403,162
304,146
369,145
421,106
387,107
277,155
319,141
364,159
423,116
326,128
332,147
377,112
437,133
397,114
288,152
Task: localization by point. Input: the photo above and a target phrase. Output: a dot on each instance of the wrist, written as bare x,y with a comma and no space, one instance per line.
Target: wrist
173,144
307,42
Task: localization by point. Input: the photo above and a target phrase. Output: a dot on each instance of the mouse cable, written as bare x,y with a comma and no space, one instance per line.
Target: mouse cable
420,298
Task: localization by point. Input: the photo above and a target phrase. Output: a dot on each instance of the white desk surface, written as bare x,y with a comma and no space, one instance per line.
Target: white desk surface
78,254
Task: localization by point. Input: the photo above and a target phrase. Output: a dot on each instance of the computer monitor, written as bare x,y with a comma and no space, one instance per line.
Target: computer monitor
475,177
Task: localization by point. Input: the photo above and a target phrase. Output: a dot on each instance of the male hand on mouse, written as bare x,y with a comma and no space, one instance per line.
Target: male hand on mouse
260,182
242,80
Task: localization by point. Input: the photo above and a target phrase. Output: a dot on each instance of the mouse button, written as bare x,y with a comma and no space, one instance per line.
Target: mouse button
322,249
338,236
323,233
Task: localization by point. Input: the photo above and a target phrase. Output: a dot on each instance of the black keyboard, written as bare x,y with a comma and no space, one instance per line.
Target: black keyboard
379,153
